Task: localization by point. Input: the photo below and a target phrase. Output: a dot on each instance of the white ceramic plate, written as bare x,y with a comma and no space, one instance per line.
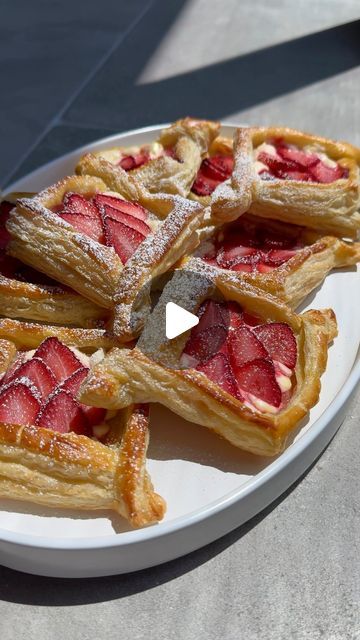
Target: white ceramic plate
210,487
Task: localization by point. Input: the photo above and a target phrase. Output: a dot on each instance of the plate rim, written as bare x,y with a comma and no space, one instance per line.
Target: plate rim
162,529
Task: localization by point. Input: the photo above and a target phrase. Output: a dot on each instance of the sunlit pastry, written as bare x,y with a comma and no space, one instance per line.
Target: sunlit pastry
29,294
81,235
57,452
167,165
285,260
303,179
250,370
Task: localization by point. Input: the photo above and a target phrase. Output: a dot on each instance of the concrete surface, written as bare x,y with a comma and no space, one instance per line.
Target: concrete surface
294,571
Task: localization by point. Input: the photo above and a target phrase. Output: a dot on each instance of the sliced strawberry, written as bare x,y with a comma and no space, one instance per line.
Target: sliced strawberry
39,375
58,357
321,173
129,220
18,404
62,413
170,153
235,315
218,370
77,203
250,320
204,344
122,238
265,268
297,155
243,347
91,227
224,164
258,378
133,162
276,257
245,268
226,258
211,314
94,415
279,341
210,168
276,163
16,364
131,208
286,174
204,186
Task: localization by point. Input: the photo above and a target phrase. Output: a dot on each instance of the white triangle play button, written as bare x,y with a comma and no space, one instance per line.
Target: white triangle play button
178,320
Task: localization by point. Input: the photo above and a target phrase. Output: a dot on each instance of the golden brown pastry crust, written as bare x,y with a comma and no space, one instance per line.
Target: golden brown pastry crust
76,472
190,140
301,274
331,208
125,376
29,335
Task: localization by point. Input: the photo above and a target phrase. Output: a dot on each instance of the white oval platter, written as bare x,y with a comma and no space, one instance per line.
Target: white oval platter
210,487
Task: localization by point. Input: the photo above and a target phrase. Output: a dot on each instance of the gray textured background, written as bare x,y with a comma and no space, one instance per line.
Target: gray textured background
74,71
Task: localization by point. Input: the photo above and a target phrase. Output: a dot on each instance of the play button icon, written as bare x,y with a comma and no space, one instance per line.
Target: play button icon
178,320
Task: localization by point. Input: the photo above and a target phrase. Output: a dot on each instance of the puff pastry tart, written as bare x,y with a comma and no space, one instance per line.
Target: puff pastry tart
89,234
285,260
168,165
303,179
250,370
57,452
27,293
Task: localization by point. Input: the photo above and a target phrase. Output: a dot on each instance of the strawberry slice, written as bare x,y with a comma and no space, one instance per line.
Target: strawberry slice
122,238
129,220
297,155
245,268
62,413
321,173
244,347
276,257
286,174
91,227
204,186
38,373
211,314
235,316
276,163
18,404
226,258
133,162
224,164
250,320
58,357
76,203
94,415
210,168
258,378
218,370
264,268
279,341
131,208
204,344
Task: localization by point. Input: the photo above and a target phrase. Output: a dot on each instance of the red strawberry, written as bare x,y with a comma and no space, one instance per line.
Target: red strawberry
16,363
76,203
62,414
204,344
321,173
226,258
286,174
258,378
94,415
204,186
214,170
170,153
58,357
123,239
129,220
264,268
18,404
131,208
250,320
244,347
91,227
279,341
277,257
245,268
235,315
297,155
211,313
133,162
39,375
274,163
218,370
224,164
